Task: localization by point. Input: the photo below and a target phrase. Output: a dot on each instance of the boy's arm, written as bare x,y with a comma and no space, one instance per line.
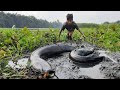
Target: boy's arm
79,30
62,29
81,33
60,33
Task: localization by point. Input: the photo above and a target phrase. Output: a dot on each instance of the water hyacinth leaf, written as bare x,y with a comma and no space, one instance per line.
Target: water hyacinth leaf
2,53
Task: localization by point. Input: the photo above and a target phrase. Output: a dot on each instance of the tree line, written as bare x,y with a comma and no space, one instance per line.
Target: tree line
7,20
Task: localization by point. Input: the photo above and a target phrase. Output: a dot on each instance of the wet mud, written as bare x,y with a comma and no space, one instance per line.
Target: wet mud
65,68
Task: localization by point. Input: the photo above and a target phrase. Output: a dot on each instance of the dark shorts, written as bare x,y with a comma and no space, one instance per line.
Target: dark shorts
70,30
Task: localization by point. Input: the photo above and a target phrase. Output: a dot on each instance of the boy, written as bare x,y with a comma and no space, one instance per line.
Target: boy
70,25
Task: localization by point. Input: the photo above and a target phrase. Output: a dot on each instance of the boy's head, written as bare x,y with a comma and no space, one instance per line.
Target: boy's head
69,18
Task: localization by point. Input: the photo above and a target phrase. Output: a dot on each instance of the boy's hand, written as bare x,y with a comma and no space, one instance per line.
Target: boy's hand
81,33
84,37
60,34
59,38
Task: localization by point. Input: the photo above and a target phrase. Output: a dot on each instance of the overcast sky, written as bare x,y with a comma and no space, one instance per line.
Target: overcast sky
79,16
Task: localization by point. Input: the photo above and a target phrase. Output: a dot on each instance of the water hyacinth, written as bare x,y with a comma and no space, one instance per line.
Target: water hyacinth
16,43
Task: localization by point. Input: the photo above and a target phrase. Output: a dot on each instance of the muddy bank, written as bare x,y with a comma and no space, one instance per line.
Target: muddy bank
65,68
111,70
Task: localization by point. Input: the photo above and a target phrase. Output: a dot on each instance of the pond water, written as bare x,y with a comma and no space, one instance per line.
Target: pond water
67,69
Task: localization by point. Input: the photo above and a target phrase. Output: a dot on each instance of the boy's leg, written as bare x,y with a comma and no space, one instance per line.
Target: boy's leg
70,35
67,36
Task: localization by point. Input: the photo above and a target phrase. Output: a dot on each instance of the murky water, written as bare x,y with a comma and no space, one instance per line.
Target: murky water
66,69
